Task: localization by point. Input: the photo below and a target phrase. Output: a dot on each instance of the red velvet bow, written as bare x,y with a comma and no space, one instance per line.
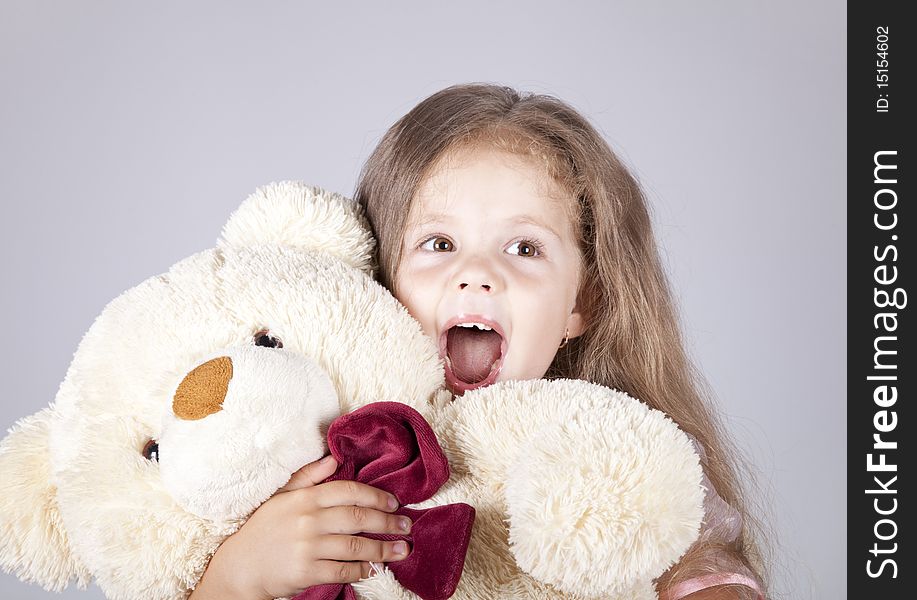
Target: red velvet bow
388,445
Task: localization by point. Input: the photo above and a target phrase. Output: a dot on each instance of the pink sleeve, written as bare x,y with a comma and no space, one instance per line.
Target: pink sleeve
722,524
696,584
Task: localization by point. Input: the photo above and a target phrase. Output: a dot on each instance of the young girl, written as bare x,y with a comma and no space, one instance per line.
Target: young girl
512,213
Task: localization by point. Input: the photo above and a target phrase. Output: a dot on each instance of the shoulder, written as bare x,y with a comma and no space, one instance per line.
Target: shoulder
718,586
722,592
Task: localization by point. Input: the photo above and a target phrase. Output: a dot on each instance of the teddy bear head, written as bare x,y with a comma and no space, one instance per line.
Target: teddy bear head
195,395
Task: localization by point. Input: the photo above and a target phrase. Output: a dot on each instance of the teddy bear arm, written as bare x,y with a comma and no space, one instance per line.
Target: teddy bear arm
605,501
34,544
602,493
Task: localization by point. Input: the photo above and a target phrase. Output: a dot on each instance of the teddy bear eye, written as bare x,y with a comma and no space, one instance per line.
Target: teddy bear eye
151,451
264,338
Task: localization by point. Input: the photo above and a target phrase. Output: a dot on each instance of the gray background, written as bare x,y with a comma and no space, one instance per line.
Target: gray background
131,130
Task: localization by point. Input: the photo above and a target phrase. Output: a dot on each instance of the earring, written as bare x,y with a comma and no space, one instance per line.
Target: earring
566,337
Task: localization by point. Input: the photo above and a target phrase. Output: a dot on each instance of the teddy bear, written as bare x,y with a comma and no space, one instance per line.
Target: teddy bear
130,479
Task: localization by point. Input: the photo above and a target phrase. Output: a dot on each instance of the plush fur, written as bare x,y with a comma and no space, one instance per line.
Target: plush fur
580,491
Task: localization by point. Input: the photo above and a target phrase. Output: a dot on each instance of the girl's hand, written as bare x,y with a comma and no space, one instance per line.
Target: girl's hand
303,536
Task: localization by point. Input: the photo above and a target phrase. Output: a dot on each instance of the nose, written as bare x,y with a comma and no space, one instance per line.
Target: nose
476,274
202,391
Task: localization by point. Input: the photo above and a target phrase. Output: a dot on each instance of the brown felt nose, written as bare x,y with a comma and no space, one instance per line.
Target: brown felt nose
203,390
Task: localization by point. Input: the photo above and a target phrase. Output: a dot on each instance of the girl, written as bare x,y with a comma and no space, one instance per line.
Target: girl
512,213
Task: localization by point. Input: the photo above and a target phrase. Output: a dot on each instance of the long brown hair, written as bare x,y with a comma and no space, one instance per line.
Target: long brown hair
632,340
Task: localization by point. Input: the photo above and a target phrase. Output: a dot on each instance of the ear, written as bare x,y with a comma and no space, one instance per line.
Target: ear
33,542
294,214
576,323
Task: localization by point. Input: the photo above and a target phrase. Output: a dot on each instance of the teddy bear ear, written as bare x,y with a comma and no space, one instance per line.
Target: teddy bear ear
33,542
294,214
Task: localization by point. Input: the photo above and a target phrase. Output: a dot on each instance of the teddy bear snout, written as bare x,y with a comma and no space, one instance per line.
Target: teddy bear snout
266,413
202,391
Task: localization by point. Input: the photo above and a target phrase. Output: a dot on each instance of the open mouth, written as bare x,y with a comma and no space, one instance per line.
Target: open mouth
473,349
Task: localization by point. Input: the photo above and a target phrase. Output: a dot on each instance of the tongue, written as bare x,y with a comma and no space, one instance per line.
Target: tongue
472,352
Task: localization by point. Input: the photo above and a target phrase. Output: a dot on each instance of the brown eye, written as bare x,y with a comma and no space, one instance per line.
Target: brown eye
438,244
151,451
265,339
524,248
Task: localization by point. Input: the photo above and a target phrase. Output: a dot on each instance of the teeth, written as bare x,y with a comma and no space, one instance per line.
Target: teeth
480,326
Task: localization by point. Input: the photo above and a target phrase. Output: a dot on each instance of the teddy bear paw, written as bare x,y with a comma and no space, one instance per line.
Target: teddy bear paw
598,507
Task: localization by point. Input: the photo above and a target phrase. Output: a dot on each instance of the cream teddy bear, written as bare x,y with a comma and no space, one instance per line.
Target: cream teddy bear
579,491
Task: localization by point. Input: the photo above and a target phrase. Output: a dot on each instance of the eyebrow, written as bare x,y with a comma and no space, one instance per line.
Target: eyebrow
526,220
520,220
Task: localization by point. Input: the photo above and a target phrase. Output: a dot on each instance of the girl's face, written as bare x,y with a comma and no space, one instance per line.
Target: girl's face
489,241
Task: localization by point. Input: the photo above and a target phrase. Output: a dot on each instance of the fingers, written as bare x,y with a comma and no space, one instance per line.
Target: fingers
339,493
332,571
311,475
356,548
357,519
